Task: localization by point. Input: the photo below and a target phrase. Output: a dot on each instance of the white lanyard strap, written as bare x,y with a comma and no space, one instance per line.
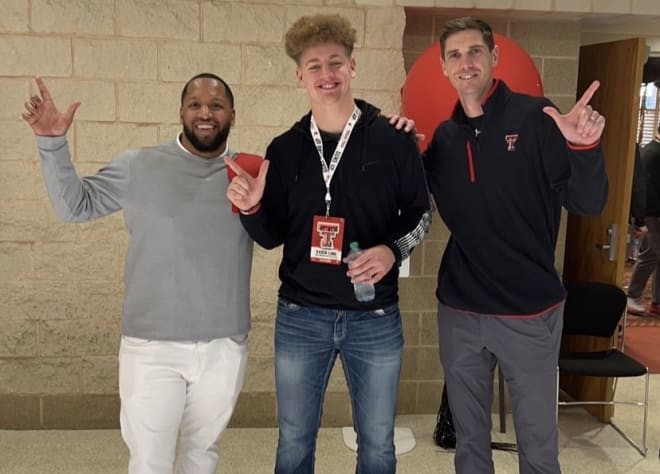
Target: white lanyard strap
329,171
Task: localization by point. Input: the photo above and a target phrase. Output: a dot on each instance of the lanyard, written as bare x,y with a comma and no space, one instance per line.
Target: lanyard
329,171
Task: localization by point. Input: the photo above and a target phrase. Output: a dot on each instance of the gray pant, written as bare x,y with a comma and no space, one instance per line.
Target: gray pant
527,350
647,262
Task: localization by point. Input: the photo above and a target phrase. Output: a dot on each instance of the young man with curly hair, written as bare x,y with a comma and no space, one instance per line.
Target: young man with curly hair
340,174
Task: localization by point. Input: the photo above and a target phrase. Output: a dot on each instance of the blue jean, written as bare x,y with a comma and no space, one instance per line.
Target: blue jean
307,342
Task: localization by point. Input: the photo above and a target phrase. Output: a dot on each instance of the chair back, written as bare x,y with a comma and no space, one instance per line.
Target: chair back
593,309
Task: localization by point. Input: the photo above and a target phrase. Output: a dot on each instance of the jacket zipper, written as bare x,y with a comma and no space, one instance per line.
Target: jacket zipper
470,161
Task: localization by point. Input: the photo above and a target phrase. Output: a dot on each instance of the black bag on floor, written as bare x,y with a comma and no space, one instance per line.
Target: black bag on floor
444,434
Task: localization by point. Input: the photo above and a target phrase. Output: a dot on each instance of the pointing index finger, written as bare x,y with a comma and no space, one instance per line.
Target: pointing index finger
43,90
235,167
263,170
588,94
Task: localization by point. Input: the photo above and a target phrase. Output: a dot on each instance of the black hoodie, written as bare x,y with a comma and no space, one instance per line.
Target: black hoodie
379,189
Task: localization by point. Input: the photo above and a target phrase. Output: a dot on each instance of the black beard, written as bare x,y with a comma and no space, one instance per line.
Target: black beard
207,147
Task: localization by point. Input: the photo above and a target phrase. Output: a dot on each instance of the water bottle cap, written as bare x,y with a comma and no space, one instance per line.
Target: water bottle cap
354,245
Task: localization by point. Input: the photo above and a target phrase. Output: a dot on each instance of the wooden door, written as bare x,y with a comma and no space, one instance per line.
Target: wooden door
590,252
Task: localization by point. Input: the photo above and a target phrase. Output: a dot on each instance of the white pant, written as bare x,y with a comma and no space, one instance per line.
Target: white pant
167,387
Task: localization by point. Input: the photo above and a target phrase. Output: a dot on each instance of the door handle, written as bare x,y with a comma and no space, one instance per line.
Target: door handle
610,245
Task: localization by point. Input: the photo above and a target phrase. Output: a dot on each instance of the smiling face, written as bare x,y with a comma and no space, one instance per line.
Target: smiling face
468,63
207,116
326,70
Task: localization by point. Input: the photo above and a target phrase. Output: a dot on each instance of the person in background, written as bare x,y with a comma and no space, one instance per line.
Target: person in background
183,350
341,174
648,258
500,170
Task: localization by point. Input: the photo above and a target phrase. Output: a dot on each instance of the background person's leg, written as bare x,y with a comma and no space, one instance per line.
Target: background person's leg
653,237
646,263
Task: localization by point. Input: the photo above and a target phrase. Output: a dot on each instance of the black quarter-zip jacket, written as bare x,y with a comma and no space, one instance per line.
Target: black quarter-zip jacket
500,194
379,188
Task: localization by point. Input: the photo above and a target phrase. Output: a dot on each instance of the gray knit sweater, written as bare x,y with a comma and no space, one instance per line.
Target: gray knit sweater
187,272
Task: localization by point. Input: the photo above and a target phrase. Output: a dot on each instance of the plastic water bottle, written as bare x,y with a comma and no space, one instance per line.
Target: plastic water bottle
363,291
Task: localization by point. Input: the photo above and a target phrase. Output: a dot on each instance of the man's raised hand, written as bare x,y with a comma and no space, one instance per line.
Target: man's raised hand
42,114
245,191
582,125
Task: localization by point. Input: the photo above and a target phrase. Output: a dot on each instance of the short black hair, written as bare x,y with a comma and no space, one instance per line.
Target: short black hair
208,75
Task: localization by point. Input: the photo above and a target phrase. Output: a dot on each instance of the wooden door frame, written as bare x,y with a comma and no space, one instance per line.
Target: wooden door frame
590,388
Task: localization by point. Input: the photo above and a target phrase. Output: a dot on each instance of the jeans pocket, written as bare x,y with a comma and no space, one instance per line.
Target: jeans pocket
135,341
239,340
385,311
287,306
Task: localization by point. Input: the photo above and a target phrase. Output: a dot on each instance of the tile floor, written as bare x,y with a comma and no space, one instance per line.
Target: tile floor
586,446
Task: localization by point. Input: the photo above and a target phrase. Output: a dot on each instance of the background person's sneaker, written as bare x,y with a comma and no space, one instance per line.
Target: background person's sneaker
634,306
655,309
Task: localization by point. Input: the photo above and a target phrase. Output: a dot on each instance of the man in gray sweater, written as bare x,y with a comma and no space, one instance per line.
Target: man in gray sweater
186,312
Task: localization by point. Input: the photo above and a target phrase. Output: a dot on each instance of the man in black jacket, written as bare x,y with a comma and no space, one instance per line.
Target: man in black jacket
340,174
500,169
649,255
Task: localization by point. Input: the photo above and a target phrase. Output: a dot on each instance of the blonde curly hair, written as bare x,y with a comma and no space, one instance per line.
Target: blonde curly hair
314,30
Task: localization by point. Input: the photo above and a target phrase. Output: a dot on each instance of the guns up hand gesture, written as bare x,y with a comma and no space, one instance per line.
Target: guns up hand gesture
245,191
42,114
582,125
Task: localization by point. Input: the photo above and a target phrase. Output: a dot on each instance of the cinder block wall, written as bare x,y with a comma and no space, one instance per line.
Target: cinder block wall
126,61
61,287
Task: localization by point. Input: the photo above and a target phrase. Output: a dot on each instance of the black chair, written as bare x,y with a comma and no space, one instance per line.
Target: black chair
599,309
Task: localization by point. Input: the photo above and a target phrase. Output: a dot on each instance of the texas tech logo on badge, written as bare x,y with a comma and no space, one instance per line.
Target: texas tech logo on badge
327,238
